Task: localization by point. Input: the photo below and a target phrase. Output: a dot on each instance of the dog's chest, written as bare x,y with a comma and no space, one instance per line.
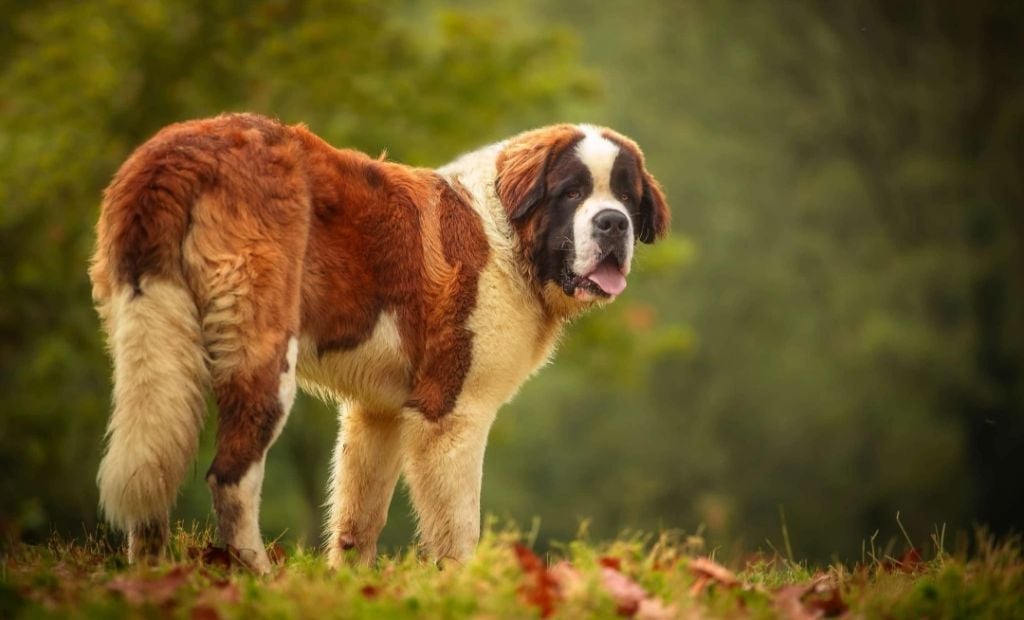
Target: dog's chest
511,339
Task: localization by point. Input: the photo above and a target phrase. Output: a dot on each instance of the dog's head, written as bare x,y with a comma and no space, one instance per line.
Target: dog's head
579,197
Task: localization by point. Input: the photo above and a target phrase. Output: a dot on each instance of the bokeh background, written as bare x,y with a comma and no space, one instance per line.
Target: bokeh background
834,333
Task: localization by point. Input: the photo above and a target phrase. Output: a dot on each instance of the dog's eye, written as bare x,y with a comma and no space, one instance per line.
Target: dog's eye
625,197
573,194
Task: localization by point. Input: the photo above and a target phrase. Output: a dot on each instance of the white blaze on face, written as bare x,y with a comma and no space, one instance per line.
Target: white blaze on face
598,154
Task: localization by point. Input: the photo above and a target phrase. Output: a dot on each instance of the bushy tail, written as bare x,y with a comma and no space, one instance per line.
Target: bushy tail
160,374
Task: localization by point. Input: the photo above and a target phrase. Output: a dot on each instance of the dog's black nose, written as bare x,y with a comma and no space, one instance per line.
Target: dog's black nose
611,223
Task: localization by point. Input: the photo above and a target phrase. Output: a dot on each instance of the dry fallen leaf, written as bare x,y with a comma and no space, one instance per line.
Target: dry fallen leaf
369,591
540,589
654,609
159,591
211,555
824,596
204,612
220,592
276,553
909,562
788,600
829,603
714,570
546,587
818,599
570,581
708,572
627,593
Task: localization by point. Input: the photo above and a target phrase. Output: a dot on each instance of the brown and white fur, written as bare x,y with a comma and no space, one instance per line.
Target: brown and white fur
243,256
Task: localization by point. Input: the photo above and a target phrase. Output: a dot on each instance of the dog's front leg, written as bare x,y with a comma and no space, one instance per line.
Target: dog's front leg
443,466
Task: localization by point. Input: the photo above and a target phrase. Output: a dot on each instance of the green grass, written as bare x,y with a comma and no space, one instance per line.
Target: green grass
664,577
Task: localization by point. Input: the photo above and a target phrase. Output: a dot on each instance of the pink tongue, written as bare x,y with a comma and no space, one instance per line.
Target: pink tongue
609,278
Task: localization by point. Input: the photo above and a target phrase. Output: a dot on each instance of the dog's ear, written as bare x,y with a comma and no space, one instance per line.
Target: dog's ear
522,177
521,182
654,214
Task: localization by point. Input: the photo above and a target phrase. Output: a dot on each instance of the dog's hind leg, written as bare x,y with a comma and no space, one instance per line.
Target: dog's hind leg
250,324
253,407
366,466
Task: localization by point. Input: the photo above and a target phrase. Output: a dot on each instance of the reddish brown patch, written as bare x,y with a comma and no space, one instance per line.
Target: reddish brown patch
392,238
159,591
211,555
540,587
455,250
248,412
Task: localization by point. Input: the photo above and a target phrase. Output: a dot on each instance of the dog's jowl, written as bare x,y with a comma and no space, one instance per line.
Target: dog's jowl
244,257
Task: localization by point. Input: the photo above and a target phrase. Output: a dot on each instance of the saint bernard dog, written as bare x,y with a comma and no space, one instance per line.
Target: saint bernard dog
244,256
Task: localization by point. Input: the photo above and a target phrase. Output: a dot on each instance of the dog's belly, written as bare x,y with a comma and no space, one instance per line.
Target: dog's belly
376,373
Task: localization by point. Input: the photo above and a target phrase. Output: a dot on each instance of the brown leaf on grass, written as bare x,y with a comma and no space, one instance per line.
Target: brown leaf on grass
540,588
220,592
277,553
210,555
369,591
709,572
713,570
158,591
909,562
626,593
528,560
654,609
789,604
631,599
819,599
546,587
830,603
570,581
204,612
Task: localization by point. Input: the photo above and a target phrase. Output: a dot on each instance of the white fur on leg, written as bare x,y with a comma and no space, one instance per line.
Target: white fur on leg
286,388
238,510
366,467
159,376
444,469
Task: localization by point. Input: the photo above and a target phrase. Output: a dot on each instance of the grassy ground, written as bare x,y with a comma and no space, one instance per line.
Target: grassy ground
643,578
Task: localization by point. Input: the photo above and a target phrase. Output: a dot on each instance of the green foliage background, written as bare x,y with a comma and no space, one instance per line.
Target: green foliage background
836,328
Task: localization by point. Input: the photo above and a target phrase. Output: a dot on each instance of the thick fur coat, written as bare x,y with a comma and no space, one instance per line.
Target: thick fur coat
245,257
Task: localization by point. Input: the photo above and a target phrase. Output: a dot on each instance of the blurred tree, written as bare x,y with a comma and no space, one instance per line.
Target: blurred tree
851,178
